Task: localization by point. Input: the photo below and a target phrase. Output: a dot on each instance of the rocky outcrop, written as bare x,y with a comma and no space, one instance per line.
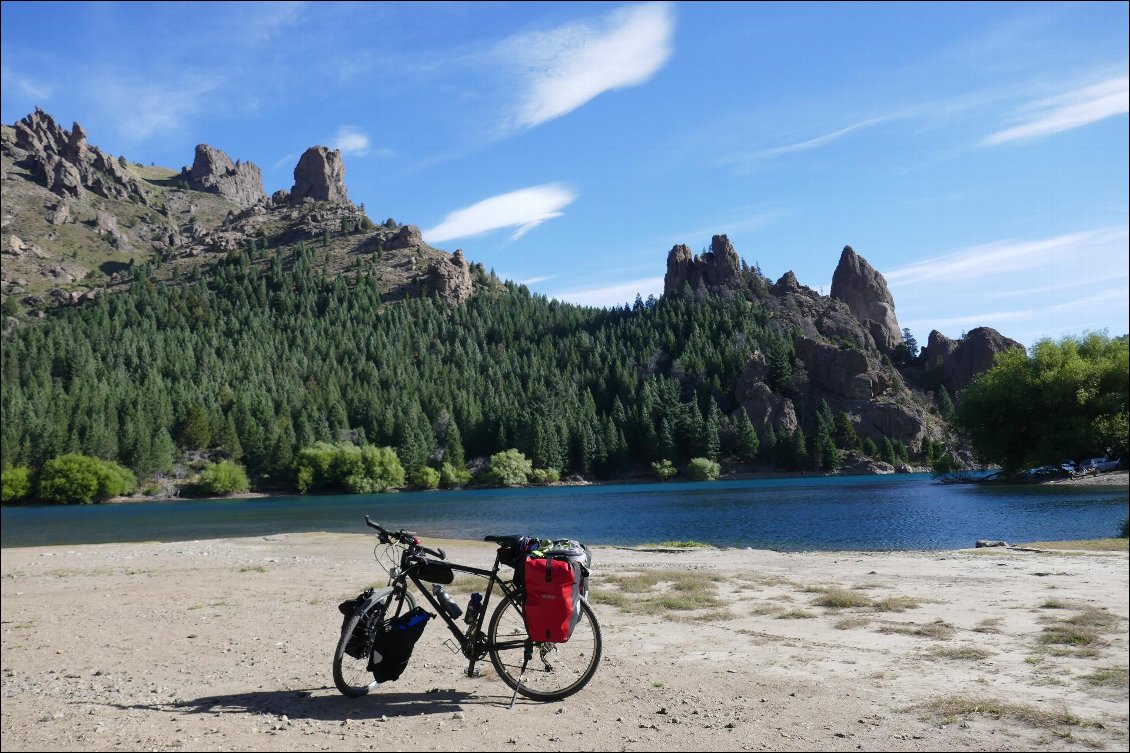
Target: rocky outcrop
67,165
212,171
844,372
450,279
764,407
408,236
320,176
865,292
954,363
717,271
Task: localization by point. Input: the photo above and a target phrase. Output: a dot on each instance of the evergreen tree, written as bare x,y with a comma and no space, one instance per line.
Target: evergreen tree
846,436
195,431
747,442
945,404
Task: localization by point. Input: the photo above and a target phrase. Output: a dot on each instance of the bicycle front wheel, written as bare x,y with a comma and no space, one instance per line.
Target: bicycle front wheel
555,670
351,657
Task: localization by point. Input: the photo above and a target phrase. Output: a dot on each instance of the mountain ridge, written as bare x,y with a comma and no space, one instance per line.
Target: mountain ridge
79,224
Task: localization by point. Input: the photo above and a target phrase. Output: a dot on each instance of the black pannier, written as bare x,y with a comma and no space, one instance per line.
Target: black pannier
357,645
392,646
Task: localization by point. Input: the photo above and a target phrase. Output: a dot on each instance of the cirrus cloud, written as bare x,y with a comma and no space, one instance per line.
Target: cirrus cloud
1073,109
566,67
522,210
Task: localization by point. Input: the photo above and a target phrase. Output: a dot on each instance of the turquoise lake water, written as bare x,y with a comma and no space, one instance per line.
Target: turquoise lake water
794,514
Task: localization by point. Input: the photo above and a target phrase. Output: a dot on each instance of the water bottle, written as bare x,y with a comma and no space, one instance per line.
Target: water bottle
446,601
473,607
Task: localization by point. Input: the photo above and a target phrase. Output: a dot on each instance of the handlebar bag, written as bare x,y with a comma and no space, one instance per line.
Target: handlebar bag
392,647
555,581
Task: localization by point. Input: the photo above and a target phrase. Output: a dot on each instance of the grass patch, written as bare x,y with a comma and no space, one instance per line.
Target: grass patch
961,653
795,614
1069,635
988,625
686,601
679,545
896,604
841,598
939,630
1093,617
714,615
765,580
658,591
1111,677
253,569
1055,604
954,708
613,598
1087,545
763,609
850,623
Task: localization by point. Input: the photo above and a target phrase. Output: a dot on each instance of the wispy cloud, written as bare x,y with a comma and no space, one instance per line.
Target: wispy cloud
523,210
566,67
1025,289
286,159
259,23
1006,257
536,280
1081,306
749,158
613,295
351,140
142,109
25,84
1072,109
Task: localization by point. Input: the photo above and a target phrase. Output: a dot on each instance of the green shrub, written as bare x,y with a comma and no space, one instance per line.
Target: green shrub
358,470
15,484
425,478
78,478
664,469
223,478
703,469
451,477
545,475
510,468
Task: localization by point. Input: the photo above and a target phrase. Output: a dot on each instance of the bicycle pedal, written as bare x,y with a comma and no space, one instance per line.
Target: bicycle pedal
450,646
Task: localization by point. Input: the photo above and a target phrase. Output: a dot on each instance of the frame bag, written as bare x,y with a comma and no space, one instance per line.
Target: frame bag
556,581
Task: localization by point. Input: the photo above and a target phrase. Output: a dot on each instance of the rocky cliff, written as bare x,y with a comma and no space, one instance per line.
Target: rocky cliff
840,347
954,363
717,271
213,171
864,290
77,220
66,164
320,176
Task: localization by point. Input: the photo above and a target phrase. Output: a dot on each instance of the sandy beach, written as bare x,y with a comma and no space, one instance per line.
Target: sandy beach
227,645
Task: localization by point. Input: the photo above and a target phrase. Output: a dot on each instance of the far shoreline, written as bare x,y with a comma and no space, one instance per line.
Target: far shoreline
1110,478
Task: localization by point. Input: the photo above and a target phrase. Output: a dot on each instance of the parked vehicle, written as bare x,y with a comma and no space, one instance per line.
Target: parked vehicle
1100,465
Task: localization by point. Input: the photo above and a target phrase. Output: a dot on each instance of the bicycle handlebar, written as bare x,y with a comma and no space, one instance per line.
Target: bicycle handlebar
404,537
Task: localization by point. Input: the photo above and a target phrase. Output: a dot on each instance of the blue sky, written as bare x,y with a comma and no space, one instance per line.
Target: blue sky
976,154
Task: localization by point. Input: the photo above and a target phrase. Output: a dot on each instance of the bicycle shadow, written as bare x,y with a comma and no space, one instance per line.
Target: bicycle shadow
325,704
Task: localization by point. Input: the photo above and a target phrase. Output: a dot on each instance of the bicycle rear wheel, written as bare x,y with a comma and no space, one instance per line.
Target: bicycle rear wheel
351,657
555,670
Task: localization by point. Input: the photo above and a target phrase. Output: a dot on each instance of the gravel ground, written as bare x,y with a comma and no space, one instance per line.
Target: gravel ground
227,645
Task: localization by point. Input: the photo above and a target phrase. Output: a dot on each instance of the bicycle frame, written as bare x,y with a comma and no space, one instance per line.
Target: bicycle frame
472,642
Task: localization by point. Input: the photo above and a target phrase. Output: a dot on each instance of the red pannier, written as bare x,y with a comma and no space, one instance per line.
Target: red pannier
556,580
